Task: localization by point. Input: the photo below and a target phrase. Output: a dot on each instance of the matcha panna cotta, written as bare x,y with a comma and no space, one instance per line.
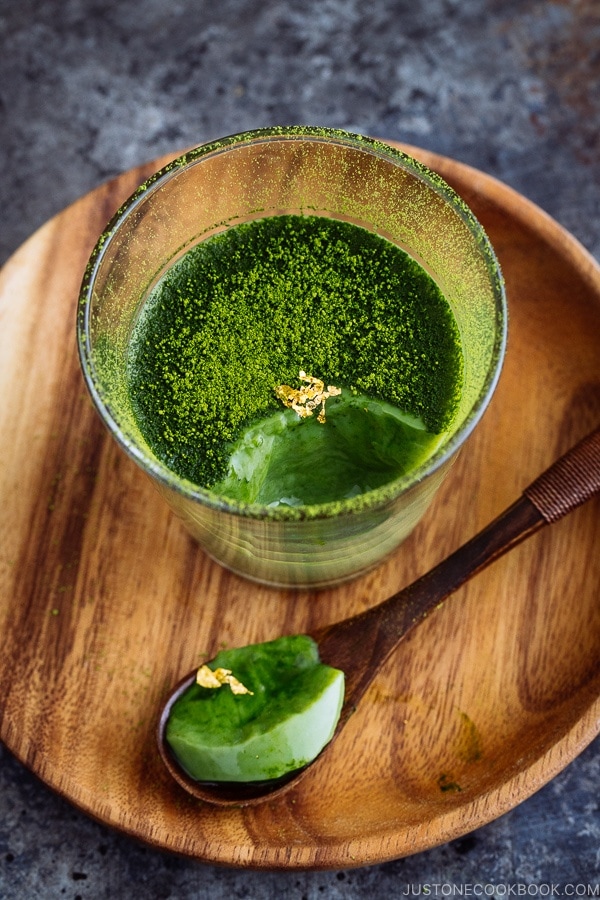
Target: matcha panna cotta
256,713
262,255
214,372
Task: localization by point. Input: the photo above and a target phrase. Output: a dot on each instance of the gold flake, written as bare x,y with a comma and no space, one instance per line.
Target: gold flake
306,399
209,678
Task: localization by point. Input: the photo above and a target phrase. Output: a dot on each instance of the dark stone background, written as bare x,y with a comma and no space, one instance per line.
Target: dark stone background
89,89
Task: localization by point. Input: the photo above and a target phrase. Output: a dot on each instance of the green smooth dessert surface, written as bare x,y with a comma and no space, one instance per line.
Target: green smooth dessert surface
283,725
284,460
244,311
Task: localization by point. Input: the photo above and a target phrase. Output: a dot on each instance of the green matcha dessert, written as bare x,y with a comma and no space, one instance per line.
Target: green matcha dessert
256,713
219,356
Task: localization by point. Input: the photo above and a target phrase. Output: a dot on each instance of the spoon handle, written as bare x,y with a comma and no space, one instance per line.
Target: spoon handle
361,644
569,482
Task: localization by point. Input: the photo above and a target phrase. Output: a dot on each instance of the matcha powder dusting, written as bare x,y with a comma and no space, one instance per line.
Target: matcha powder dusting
245,310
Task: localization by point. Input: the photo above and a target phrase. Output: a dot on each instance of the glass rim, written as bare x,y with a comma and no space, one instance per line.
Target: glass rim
369,500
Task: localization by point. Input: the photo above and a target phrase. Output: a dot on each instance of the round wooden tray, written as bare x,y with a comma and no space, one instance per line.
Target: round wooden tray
105,602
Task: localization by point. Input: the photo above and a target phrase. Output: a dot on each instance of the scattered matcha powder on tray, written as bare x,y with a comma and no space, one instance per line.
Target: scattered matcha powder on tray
243,311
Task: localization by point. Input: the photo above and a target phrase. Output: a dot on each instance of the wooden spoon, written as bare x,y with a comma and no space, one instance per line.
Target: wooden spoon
361,644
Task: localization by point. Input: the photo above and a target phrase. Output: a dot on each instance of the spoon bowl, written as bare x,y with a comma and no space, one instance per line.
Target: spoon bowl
222,793
360,645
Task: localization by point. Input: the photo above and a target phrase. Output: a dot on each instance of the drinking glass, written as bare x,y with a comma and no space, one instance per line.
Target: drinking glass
297,170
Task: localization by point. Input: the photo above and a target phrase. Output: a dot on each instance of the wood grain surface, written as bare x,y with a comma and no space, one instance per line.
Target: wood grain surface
105,602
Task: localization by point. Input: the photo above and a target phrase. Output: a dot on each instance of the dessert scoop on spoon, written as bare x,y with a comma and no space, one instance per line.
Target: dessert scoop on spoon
360,645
